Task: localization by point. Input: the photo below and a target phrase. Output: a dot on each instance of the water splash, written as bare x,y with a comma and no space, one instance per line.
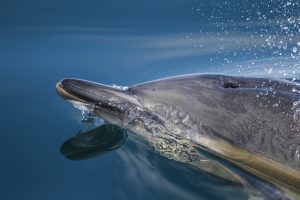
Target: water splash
297,157
259,30
294,151
119,87
85,108
88,119
296,109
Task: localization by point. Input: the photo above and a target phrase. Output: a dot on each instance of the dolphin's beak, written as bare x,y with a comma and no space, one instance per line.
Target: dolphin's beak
81,91
63,93
93,93
108,102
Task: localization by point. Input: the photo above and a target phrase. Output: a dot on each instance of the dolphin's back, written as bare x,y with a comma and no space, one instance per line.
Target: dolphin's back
219,81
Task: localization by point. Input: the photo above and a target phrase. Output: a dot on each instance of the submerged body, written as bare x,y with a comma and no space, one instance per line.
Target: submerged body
251,122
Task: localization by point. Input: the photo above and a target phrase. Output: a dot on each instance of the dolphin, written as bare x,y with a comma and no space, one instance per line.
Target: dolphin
253,123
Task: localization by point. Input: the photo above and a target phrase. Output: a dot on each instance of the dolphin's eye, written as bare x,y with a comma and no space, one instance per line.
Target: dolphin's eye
230,85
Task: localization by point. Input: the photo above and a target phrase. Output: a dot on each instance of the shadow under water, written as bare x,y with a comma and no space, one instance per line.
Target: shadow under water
95,142
108,137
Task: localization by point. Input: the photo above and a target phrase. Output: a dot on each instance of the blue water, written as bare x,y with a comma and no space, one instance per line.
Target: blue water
124,43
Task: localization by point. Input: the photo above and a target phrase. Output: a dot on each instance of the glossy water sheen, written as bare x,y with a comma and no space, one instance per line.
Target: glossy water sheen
123,43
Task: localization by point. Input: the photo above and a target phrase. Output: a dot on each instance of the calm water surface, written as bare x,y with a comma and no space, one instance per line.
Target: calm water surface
123,43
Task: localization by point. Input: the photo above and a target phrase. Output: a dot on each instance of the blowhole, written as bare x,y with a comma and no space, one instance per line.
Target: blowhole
230,85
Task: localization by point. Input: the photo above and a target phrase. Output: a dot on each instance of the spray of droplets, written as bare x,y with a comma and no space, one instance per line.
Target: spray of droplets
270,28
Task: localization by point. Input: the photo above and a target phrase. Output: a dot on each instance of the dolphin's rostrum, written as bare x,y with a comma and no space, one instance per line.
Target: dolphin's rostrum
251,122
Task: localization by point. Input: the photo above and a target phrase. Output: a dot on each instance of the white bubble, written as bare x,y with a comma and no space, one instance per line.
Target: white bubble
295,49
119,87
269,70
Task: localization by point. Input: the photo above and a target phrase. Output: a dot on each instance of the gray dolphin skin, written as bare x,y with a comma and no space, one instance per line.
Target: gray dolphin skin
253,123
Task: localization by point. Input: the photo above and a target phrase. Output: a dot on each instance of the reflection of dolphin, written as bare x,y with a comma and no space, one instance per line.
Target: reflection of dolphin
251,122
102,139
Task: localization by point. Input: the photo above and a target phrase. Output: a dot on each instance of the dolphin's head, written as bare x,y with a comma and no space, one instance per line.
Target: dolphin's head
110,103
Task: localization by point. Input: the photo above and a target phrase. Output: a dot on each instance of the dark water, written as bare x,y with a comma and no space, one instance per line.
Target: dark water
123,43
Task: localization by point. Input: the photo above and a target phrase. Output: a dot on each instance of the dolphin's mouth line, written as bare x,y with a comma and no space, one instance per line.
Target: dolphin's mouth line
67,95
